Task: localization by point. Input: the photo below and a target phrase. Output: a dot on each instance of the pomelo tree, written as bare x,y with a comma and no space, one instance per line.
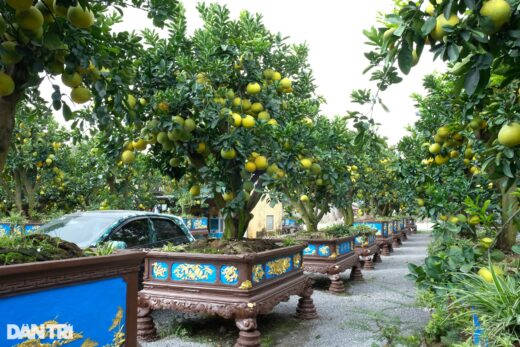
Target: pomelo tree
478,40
215,105
52,38
319,165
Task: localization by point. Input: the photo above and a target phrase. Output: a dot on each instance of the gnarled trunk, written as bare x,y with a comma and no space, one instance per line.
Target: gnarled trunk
510,217
348,215
7,121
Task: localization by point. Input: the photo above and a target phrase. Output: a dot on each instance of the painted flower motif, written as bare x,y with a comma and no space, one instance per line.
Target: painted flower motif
230,273
159,270
279,266
297,259
193,272
246,285
258,273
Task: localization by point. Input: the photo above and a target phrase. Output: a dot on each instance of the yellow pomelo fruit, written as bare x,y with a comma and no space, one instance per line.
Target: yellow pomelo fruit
80,95
201,148
454,154
127,157
72,80
272,122
315,168
277,76
304,198
253,88
30,19
189,125
430,9
434,148
248,122
228,153
250,166
20,5
443,132
499,11
195,190
139,144
246,104
285,83
485,274
486,242
474,220
47,9
420,202
6,84
228,196
236,119
80,17
306,163
61,11
131,100
440,159
257,107
264,115
438,33
268,74
10,56
261,162
509,135
237,102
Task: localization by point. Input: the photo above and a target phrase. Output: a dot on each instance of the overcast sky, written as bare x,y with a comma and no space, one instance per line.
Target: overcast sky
333,31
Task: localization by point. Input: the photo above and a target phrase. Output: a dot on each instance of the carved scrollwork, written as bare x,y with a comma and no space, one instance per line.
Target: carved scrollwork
246,324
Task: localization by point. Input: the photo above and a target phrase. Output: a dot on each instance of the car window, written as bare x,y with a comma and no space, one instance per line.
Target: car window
168,231
134,233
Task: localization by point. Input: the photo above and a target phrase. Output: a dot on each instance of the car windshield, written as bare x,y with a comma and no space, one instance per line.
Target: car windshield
82,230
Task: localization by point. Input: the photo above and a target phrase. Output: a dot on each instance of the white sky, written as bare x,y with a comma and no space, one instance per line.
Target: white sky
333,31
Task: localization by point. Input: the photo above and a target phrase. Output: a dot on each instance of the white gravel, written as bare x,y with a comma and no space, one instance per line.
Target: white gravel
355,319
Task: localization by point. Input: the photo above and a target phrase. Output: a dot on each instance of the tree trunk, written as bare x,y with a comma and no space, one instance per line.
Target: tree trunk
7,121
507,237
235,224
348,215
29,192
18,192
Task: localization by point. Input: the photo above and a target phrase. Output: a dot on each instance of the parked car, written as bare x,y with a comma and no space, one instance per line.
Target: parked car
127,229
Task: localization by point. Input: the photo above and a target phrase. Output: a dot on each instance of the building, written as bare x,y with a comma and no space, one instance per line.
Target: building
266,218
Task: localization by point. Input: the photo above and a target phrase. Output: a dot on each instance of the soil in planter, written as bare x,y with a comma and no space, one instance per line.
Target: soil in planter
227,247
35,247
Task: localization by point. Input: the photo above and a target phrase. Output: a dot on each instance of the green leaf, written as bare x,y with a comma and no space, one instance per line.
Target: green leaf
471,81
453,52
428,26
516,249
405,60
497,255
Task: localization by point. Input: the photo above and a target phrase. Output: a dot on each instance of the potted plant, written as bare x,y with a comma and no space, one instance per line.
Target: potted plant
232,279
49,284
365,243
216,121
330,251
384,239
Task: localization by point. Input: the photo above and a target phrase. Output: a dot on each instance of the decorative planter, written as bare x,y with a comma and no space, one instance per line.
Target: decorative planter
397,234
369,252
332,257
235,287
402,227
410,225
383,237
92,299
7,228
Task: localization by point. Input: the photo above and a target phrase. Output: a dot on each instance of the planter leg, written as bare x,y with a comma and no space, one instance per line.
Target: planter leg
306,309
405,237
400,241
369,264
395,243
385,250
377,258
248,336
145,326
336,284
356,274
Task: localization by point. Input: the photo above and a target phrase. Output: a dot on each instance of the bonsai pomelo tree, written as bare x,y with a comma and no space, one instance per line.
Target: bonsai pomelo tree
217,104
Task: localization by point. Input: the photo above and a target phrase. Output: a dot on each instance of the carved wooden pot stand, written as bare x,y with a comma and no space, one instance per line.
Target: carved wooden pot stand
369,255
238,287
385,245
332,257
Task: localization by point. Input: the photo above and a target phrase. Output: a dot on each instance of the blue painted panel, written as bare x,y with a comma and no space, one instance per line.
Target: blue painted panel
160,270
215,235
5,228
229,275
323,250
258,273
344,247
289,222
95,310
199,223
206,273
310,250
214,225
277,267
31,227
358,240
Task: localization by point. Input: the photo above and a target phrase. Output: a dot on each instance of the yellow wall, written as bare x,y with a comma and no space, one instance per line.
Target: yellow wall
260,213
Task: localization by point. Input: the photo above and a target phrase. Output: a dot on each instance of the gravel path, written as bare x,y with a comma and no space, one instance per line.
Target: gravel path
384,299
